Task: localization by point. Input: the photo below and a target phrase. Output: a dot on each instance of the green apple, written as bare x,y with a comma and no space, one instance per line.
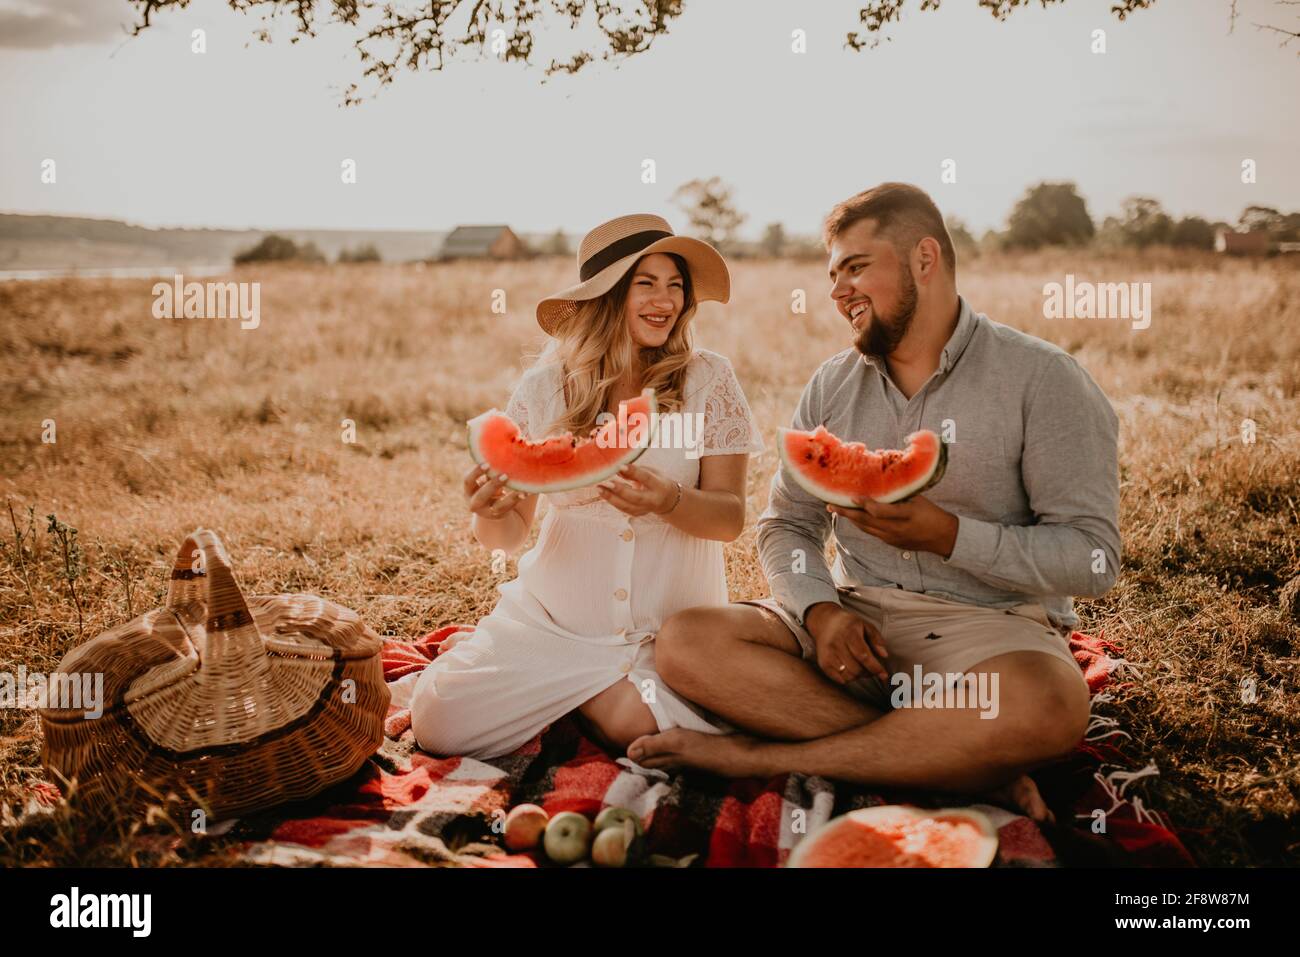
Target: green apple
611,846
615,816
568,837
525,825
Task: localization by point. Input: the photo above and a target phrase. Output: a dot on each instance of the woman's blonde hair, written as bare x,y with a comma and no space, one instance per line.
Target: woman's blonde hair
595,349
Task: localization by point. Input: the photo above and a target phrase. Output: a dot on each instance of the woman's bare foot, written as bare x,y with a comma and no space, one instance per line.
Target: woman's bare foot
730,755
1022,795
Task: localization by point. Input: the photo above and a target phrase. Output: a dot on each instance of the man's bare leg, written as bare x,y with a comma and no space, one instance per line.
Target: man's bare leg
1043,711
742,663
763,693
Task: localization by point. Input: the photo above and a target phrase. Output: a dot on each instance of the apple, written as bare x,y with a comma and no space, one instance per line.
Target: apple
615,816
611,846
524,826
568,837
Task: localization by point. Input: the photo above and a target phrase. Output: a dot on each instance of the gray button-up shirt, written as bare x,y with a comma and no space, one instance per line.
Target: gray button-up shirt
1033,477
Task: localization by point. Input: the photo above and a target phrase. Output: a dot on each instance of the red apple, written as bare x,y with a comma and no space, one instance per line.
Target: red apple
611,846
524,826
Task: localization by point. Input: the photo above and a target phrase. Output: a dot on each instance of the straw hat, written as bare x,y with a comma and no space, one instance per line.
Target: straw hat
609,251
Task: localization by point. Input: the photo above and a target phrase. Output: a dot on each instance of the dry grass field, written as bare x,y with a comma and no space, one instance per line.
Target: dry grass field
166,425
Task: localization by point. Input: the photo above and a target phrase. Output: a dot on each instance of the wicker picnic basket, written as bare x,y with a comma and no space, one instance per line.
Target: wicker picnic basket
234,705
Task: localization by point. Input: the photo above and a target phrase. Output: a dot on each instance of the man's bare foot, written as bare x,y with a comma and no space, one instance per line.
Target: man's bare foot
1022,795
740,756
730,755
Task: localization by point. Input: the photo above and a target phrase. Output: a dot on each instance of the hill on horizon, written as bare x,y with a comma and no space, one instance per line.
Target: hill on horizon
34,242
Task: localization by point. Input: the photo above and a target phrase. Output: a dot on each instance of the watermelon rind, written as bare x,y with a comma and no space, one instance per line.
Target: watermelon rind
834,497
984,856
475,425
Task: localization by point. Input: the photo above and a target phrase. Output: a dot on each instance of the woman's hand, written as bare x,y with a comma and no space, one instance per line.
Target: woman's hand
646,491
487,494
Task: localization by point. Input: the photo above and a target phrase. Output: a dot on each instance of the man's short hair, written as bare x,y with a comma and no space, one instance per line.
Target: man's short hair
904,214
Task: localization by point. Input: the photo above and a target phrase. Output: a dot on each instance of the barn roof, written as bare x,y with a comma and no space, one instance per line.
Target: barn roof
472,239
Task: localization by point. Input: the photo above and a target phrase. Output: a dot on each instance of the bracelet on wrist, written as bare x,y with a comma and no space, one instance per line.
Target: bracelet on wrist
678,501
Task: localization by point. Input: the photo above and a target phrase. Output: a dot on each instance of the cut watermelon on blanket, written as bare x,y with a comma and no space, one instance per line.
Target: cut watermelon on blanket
893,835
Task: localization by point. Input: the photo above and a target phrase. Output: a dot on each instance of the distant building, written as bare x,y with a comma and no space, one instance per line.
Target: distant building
1233,243
482,242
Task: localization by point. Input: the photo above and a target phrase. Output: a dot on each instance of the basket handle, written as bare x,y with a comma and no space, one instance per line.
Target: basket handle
202,573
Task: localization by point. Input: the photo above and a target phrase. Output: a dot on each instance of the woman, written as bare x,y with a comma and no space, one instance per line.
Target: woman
575,630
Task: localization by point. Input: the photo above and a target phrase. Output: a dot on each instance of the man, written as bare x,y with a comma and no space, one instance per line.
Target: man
971,580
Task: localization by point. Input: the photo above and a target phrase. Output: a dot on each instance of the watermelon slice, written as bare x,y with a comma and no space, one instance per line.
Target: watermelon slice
563,462
896,835
844,473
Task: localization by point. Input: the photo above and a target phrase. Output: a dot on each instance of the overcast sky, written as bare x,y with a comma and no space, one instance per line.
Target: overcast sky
252,134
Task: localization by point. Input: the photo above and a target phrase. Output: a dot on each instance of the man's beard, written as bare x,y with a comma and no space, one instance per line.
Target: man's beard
884,333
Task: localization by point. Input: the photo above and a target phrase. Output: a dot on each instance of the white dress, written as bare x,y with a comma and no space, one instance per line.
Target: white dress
590,594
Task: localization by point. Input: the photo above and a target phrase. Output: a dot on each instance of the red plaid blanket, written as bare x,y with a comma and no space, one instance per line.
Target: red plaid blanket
408,808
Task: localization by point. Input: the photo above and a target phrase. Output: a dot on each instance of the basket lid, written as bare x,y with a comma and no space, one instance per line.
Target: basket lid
240,672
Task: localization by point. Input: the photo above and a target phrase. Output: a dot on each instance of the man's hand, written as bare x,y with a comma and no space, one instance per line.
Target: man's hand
917,524
847,645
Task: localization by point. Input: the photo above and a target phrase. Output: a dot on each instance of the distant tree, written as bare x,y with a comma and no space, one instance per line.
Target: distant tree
276,248
709,208
962,240
362,254
557,245
803,248
1144,222
309,253
1192,232
271,249
992,241
773,243
1261,218
1049,214
1110,234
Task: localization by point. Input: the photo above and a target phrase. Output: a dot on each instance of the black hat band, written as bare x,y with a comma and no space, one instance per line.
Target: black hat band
618,249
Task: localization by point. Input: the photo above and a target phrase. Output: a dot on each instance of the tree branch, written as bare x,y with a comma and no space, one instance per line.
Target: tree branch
416,37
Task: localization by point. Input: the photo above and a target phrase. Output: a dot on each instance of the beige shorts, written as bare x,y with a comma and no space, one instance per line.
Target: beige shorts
940,635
